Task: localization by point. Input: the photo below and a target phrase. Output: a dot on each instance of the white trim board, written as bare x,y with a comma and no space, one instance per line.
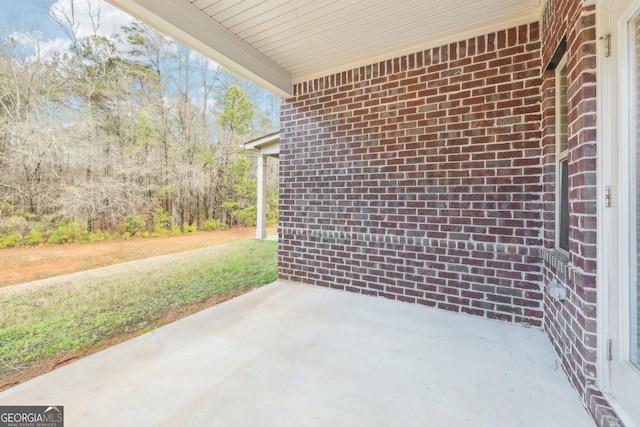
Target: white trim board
182,21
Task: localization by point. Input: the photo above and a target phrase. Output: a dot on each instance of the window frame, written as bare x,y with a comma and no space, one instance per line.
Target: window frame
562,188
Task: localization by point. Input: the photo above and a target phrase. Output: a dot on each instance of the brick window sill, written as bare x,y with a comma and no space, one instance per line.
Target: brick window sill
557,262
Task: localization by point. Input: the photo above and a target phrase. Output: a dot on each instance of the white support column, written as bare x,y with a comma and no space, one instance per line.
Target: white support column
261,224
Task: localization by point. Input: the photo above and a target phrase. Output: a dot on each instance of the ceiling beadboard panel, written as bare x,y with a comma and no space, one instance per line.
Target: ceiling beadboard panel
306,36
282,42
311,52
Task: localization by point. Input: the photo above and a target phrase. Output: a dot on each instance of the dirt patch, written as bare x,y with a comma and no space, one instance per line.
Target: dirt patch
24,264
169,317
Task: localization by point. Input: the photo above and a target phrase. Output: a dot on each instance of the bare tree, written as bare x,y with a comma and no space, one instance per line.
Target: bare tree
118,127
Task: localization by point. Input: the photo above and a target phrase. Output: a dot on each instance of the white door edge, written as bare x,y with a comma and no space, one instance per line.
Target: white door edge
613,250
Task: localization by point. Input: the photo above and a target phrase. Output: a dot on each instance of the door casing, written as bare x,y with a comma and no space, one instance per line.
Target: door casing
613,222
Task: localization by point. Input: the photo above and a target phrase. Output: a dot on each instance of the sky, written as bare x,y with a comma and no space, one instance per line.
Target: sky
29,23
25,15
27,20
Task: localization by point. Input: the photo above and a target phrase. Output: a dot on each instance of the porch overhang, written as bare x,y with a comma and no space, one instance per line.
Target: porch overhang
280,43
268,145
189,25
265,146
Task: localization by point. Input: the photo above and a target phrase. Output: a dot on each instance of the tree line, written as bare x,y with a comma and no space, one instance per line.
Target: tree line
132,134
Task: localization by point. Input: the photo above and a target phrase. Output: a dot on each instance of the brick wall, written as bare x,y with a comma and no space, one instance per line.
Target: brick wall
420,178
430,178
571,324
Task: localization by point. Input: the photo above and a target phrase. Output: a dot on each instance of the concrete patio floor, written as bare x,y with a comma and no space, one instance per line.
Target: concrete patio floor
295,355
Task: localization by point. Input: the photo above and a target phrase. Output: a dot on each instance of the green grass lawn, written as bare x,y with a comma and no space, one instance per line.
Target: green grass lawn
74,313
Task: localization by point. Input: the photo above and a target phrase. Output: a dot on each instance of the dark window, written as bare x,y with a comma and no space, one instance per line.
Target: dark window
563,238
562,157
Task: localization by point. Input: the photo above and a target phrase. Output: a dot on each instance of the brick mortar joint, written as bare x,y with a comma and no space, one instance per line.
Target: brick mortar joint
509,249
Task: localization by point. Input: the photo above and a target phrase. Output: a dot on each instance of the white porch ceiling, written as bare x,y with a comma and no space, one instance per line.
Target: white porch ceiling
278,43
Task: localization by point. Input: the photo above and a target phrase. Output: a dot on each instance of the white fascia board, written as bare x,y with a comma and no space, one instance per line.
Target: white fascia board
272,150
182,21
268,145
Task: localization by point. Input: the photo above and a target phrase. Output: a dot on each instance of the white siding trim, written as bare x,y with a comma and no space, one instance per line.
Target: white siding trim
184,22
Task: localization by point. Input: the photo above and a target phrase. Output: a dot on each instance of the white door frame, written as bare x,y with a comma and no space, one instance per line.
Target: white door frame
613,253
